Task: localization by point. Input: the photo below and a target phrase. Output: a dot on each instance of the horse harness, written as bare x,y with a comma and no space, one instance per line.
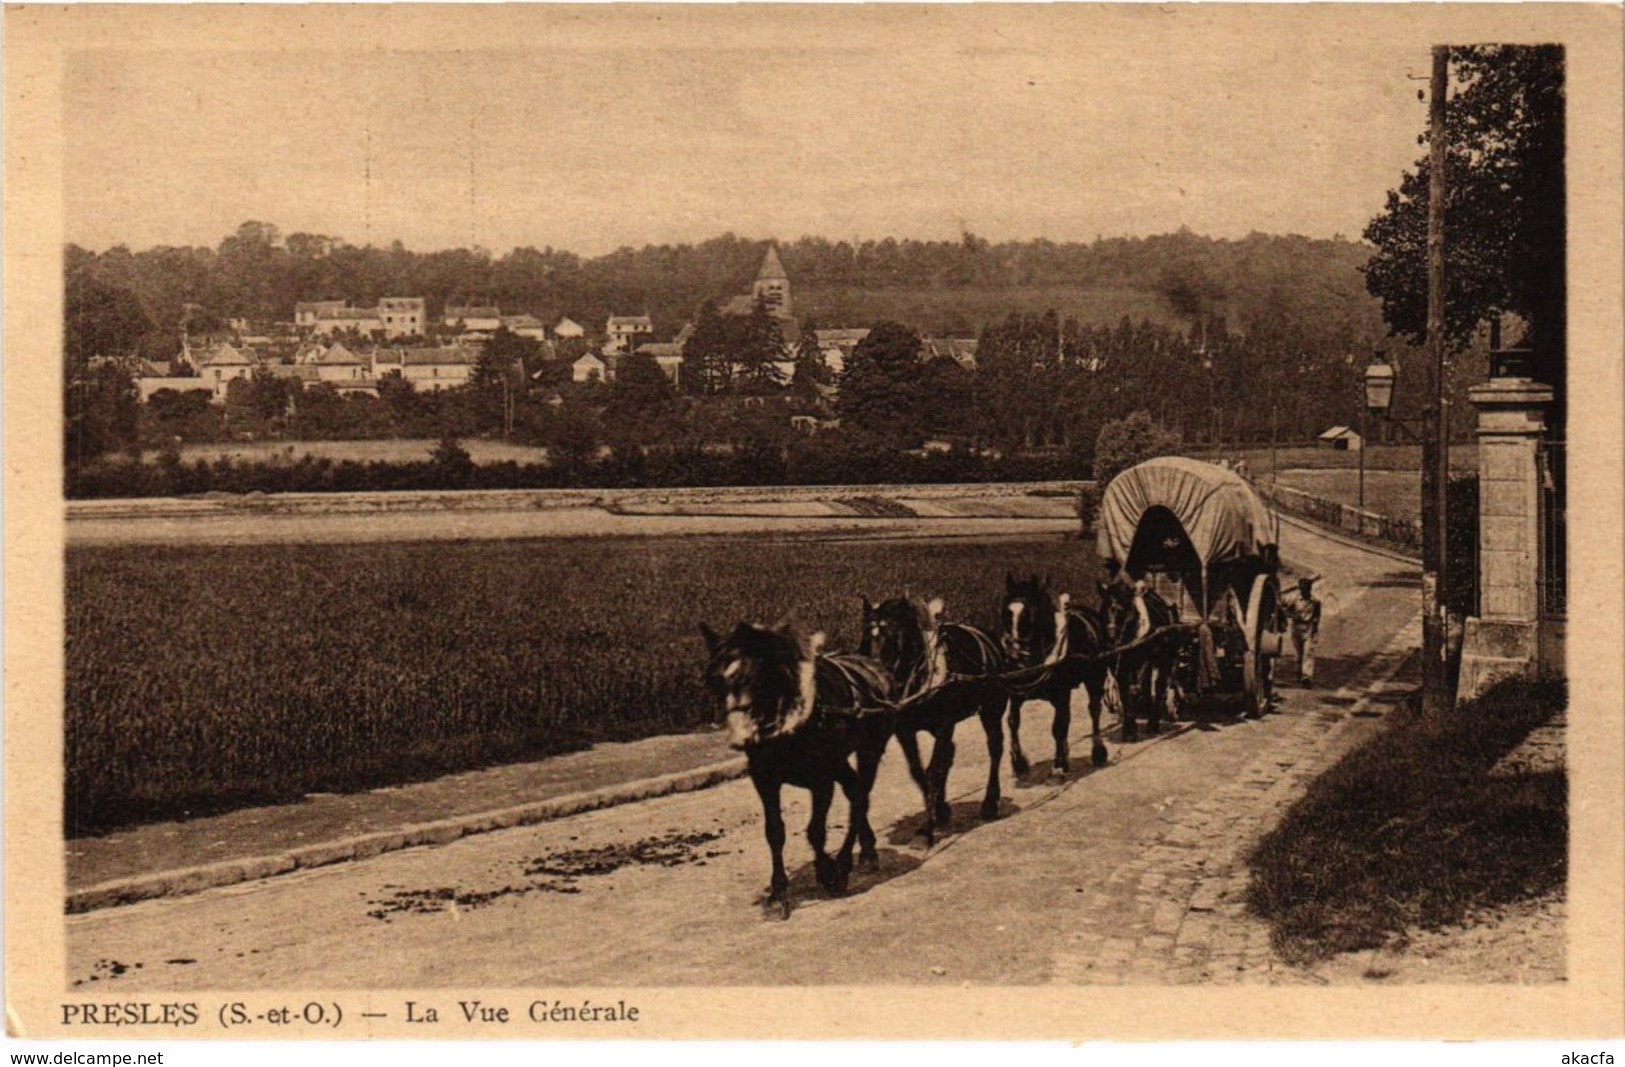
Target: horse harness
791,720
930,672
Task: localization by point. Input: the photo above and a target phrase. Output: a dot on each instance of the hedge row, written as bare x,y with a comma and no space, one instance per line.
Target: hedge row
670,468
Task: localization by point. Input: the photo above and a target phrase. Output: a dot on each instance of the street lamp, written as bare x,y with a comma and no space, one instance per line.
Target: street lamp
1379,397
1379,385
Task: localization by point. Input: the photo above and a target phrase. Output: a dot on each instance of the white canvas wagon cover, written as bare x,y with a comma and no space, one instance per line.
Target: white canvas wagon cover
1224,519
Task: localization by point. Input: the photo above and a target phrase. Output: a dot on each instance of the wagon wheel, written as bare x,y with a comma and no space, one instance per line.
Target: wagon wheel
1263,644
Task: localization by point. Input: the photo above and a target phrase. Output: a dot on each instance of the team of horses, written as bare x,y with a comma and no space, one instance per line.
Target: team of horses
817,719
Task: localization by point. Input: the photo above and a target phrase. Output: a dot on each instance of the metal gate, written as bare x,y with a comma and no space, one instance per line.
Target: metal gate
1551,458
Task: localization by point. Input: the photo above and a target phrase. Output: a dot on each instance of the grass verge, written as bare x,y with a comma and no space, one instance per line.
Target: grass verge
1412,830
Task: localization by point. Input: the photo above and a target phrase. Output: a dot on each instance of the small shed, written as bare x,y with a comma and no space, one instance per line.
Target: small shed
1342,439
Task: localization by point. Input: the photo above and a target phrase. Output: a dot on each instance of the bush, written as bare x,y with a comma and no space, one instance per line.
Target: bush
452,462
1125,442
828,459
1122,443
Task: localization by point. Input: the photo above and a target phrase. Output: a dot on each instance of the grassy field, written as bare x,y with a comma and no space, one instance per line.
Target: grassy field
1393,485
204,678
1413,830
1463,458
1396,494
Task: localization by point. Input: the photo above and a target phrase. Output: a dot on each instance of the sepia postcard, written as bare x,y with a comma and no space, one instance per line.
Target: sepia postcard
1017,522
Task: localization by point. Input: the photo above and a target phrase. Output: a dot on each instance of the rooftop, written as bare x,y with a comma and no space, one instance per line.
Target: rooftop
772,269
424,357
338,354
224,355
343,312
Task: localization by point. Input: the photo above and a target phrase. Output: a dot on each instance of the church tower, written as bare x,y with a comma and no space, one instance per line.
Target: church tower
773,285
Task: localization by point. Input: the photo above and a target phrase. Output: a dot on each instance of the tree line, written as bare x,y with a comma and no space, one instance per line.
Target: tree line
1262,338
141,298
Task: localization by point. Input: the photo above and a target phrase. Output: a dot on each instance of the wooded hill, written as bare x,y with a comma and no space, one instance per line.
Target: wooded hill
937,287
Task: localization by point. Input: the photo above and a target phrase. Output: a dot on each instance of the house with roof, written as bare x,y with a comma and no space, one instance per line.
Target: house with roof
220,366
962,350
567,328
473,317
430,370
403,316
526,326
153,377
626,332
395,316
348,386
837,346
303,373
668,356
306,312
588,368
332,320
339,364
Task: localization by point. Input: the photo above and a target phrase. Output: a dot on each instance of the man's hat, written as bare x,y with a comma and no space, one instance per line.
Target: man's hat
1309,579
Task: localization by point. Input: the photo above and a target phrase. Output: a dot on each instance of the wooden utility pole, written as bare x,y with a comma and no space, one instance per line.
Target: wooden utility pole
1436,696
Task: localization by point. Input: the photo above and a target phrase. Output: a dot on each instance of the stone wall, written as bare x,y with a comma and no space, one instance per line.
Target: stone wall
1406,533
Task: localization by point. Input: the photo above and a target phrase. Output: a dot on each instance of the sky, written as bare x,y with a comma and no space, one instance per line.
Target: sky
600,130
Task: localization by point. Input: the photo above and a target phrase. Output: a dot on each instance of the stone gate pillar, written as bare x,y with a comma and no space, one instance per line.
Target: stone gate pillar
1503,640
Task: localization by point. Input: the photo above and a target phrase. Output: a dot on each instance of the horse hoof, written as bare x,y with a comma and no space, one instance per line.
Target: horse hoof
869,861
828,873
784,909
1059,771
945,816
1098,757
1018,764
990,810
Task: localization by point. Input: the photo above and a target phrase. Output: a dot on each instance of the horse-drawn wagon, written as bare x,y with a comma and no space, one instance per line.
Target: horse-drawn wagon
1201,604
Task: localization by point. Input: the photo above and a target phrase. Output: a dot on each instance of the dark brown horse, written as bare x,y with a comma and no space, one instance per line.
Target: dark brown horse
798,714
944,672
1131,617
1057,647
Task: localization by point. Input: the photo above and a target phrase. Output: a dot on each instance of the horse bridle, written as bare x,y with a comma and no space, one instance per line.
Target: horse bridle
1057,607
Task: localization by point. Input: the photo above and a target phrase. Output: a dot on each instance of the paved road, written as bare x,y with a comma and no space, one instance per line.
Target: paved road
1129,873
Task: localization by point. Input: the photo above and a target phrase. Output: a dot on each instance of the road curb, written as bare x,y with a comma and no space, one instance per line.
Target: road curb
187,880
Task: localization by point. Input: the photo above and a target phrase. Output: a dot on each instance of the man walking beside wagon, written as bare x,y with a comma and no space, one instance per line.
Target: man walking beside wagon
1303,613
